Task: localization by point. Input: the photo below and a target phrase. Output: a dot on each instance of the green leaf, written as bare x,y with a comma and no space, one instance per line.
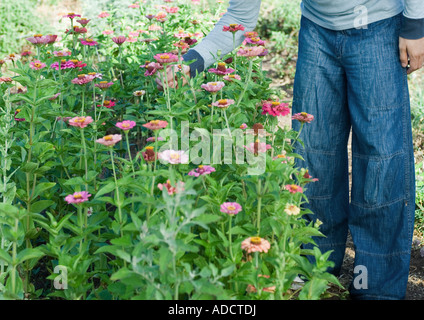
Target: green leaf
28,254
4,256
39,206
43,186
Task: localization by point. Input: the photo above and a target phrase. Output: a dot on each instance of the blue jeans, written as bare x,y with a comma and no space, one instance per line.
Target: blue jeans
353,80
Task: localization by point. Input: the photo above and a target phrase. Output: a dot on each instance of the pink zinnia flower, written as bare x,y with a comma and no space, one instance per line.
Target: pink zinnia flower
293,188
231,208
153,139
5,79
182,34
126,125
156,124
251,34
38,39
107,32
257,147
174,156
103,85
221,70
251,288
104,14
82,79
62,53
80,122
213,86
18,119
63,65
250,52
166,58
134,6
77,197
108,104
88,42
303,117
37,65
255,244
201,170
151,68
275,108
171,9
83,21
255,41
110,140
149,155
171,190
233,28
119,40
223,103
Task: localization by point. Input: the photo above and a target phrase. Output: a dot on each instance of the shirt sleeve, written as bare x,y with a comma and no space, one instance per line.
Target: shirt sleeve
244,12
413,20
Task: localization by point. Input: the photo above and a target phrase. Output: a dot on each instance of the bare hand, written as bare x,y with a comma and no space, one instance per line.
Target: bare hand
171,74
411,53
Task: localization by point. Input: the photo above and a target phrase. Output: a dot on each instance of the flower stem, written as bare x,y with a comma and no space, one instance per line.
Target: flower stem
85,158
249,76
258,190
230,237
117,191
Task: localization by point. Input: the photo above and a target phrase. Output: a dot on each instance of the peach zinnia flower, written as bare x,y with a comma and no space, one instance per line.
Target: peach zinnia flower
77,197
250,52
213,86
156,124
293,188
223,103
255,244
80,122
110,140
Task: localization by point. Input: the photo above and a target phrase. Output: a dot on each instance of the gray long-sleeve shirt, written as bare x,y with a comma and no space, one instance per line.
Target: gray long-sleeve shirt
331,14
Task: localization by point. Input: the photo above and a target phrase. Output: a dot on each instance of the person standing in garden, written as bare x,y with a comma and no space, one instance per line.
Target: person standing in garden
351,74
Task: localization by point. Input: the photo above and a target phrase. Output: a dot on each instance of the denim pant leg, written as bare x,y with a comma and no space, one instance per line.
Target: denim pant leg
320,89
381,218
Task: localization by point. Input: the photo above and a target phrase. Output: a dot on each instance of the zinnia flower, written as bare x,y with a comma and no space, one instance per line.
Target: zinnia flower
174,156
5,79
110,140
37,65
213,86
82,79
166,58
221,70
255,41
201,170
255,244
257,147
83,21
251,289
156,124
250,52
291,209
62,53
149,155
292,188
139,93
108,104
275,108
77,197
303,117
232,77
223,103
119,40
171,190
38,39
233,28
103,85
126,125
80,122
104,14
231,208
88,42
72,15
151,68
251,34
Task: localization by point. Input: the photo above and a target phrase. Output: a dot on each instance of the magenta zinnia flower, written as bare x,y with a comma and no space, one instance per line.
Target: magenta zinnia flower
231,208
174,156
83,21
77,197
156,124
275,108
88,42
119,40
213,86
166,58
201,170
233,28
126,125
37,65
110,140
303,117
72,15
221,70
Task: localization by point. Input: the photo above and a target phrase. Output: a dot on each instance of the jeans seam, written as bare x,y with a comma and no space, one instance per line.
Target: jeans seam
377,206
379,157
393,254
